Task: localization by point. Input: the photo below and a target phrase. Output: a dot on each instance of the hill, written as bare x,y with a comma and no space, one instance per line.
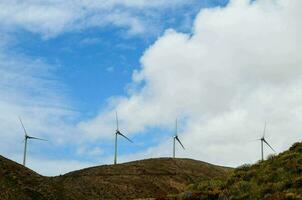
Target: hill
138,179
277,178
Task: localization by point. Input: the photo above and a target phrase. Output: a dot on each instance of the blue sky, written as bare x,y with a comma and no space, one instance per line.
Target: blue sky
66,72
94,64
92,59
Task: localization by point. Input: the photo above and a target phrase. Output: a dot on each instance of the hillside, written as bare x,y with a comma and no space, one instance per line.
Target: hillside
16,180
277,178
138,179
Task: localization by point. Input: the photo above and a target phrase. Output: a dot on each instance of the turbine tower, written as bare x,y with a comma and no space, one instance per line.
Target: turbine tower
175,137
26,137
263,140
117,132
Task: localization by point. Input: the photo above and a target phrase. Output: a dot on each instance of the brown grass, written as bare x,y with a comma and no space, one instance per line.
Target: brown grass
151,178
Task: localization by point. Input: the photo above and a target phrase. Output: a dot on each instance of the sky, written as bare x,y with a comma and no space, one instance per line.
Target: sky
222,68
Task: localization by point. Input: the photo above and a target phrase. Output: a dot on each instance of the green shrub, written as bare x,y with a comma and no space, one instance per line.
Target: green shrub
271,157
298,182
277,178
291,196
296,147
244,167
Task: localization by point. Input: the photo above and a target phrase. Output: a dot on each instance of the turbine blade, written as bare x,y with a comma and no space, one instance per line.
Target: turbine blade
268,145
35,138
249,141
23,126
180,142
176,126
116,118
264,130
124,136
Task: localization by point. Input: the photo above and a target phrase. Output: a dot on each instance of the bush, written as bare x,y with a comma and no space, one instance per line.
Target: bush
271,157
244,167
277,178
291,196
298,182
296,147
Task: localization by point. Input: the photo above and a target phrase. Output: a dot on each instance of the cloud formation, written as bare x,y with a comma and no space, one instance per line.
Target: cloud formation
240,66
29,89
50,18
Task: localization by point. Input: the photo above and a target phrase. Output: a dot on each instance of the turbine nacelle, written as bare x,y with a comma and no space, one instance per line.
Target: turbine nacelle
178,140
117,132
26,137
35,138
175,138
263,140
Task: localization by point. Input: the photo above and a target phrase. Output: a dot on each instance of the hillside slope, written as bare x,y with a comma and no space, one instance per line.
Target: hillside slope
277,178
138,179
16,180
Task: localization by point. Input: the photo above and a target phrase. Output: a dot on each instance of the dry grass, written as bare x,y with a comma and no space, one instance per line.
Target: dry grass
151,178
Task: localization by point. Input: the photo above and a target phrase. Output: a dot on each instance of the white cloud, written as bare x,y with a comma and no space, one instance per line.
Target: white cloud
240,67
54,167
29,89
85,150
50,18
90,41
48,167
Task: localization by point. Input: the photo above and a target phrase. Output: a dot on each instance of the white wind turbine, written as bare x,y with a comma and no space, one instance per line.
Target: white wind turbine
263,140
117,132
175,138
26,137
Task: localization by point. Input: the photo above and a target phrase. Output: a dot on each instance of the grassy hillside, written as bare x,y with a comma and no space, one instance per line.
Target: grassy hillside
18,181
277,178
139,179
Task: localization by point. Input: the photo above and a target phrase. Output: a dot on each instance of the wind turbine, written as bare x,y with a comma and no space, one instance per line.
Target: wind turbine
26,137
263,140
117,132
175,137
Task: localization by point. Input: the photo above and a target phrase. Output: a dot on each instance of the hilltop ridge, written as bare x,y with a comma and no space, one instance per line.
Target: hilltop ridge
277,178
137,179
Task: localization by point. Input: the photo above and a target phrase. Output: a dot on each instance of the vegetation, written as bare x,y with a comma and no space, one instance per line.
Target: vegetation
279,177
139,179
